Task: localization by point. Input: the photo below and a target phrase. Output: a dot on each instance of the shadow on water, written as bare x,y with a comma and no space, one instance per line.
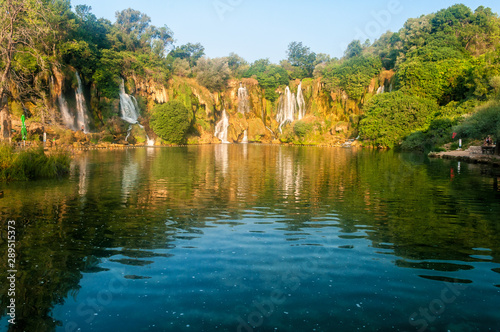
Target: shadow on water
237,216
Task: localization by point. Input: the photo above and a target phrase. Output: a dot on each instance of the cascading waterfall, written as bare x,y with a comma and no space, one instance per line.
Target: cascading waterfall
222,127
128,106
129,110
150,142
291,107
68,119
81,108
301,102
79,120
381,89
245,137
286,109
243,100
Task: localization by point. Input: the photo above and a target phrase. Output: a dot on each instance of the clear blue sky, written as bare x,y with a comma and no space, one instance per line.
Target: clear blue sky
256,29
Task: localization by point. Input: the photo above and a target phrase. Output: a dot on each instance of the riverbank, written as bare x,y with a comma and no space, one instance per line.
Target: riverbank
471,155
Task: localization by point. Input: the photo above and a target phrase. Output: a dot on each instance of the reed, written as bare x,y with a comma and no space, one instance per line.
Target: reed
32,164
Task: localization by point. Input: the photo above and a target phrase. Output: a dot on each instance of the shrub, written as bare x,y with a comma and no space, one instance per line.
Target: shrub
301,129
486,121
171,121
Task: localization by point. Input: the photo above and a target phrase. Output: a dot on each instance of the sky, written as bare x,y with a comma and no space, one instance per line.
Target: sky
257,29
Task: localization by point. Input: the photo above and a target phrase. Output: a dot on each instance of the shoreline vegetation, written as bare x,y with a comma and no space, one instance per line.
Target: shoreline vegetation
32,163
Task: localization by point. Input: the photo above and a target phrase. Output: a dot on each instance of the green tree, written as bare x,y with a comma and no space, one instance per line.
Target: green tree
107,74
213,73
90,29
269,76
301,56
353,75
237,64
190,52
353,49
171,121
389,117
133,32
24,26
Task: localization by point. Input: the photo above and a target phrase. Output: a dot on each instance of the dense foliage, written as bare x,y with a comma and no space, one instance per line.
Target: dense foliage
171,121
269,76
392,116
486,121
213,73
353,75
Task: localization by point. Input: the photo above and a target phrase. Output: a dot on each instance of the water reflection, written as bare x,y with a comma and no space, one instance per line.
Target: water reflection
289,173
82,166
130,176
222,158
210,232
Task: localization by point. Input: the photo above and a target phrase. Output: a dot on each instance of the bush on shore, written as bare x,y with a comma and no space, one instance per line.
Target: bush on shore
31,164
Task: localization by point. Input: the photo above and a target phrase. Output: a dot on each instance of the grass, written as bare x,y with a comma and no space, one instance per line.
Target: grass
31,164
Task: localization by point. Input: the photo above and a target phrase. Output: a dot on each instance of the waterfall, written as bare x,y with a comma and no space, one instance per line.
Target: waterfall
286,109
68,119
243,100
291,107
129,110
381,89
245,137
150,142
128,106
81,108
74,121
129,132
63,107
301,102
221,128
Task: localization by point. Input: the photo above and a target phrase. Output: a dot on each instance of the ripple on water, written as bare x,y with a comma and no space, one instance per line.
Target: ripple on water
435,266
132,262
447,279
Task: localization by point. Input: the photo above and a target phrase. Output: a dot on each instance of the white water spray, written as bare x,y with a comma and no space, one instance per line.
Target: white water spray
245,137
286,109
291,107
68,119
128,106
243,100
301,102
222,127
81,108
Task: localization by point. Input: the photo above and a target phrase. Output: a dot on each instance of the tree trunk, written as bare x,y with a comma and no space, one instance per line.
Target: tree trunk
5,121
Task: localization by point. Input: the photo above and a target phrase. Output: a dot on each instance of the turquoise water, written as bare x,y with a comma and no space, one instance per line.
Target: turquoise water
256,238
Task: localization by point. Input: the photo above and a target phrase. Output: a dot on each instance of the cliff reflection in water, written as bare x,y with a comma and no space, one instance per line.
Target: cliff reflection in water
135,205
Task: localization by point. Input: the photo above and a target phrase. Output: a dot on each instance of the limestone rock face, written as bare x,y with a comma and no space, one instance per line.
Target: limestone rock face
257,130
249,112
237,126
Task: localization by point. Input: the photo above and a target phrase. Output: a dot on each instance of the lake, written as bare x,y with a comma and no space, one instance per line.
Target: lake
256,238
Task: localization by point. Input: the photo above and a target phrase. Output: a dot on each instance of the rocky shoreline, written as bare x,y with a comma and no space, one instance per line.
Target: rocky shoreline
472,155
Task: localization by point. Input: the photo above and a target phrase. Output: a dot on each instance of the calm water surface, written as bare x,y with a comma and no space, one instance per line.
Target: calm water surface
256,238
